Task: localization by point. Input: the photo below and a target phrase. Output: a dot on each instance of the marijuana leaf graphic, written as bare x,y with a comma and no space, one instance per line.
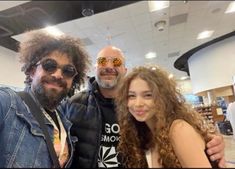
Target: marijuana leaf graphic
107,157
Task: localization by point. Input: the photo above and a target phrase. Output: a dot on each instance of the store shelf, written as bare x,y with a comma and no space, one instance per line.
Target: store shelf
211,114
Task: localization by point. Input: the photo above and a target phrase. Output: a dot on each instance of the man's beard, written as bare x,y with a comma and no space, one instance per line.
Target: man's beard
50,98
108,84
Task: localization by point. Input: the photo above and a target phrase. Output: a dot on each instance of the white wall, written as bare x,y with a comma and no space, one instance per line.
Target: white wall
10,73
185,86
213,66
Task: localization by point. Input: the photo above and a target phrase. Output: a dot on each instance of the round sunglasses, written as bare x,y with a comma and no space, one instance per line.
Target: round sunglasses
103,61
50,66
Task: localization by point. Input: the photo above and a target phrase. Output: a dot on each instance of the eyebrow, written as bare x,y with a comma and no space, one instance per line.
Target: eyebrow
146,91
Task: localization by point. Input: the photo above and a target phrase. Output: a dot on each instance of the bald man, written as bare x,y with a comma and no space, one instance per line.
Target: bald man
94,118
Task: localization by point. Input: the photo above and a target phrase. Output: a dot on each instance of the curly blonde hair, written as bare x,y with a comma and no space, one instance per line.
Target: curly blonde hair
136,137
39,43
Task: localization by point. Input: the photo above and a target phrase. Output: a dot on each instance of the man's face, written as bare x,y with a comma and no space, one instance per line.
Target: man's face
110,68
52,79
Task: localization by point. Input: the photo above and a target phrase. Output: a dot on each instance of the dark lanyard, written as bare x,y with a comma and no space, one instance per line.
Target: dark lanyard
37,113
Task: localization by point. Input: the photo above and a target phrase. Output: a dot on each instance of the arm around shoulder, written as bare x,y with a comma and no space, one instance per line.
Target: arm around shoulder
188,144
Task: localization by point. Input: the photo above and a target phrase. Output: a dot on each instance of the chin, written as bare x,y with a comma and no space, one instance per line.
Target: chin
107,84
108,81
140,119
55,92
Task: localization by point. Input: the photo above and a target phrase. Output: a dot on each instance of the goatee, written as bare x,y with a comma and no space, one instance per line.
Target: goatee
111,84
50,98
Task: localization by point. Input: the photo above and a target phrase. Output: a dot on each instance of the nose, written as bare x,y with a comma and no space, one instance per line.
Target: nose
139,101
109,64
58,74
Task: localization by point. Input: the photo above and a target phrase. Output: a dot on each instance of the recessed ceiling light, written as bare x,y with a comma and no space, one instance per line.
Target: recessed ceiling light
184,78
150,55
53,30
157,5
231,7
153,68
205,34
170,76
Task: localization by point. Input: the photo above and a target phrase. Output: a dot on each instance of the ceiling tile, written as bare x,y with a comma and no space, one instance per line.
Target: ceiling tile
179,9
138,8
140,19
178,19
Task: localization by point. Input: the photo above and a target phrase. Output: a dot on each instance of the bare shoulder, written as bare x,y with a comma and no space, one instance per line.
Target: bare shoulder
181,131
180,125
188,144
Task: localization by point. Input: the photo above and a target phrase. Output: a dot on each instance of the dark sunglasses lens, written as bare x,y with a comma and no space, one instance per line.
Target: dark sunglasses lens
69,71
49,65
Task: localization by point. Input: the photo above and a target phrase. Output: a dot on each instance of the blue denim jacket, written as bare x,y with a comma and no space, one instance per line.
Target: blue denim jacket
22,143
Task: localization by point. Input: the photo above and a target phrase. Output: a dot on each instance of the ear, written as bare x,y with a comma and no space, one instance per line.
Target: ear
95,65
125,71
32,72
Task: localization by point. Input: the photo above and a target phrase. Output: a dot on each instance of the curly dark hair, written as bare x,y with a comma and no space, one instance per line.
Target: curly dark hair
136,137
39,44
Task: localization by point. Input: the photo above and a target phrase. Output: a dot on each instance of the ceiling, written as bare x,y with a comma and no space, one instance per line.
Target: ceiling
126,24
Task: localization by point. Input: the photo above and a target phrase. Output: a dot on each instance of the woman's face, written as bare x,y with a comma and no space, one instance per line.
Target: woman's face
140,101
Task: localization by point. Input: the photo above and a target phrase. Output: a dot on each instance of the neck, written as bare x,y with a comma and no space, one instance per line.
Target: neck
108,93
45,102
50,107
151,125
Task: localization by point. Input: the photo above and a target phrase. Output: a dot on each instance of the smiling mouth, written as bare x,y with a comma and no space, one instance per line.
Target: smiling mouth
53,85
139,112
109,74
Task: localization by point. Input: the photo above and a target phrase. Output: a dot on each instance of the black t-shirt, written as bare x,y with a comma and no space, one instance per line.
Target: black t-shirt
54,118
108,156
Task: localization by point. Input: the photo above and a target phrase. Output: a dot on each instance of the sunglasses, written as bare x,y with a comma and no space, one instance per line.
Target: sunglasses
50,66
102,61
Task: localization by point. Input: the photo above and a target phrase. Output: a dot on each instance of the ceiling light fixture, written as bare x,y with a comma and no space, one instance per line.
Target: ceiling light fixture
87,12
87,8
53,30
160,25
157,5
231,7
150,55
205,34
184,77
154,68
170,76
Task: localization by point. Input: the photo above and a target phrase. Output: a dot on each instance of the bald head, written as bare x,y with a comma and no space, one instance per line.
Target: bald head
111,51
110,67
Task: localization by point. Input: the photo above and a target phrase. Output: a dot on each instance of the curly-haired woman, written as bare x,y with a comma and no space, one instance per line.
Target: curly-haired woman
157,127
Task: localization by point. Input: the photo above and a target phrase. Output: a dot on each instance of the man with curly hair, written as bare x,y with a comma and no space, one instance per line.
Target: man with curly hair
94,117
52,66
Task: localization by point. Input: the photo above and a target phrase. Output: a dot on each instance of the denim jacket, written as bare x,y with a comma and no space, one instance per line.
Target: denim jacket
22,143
